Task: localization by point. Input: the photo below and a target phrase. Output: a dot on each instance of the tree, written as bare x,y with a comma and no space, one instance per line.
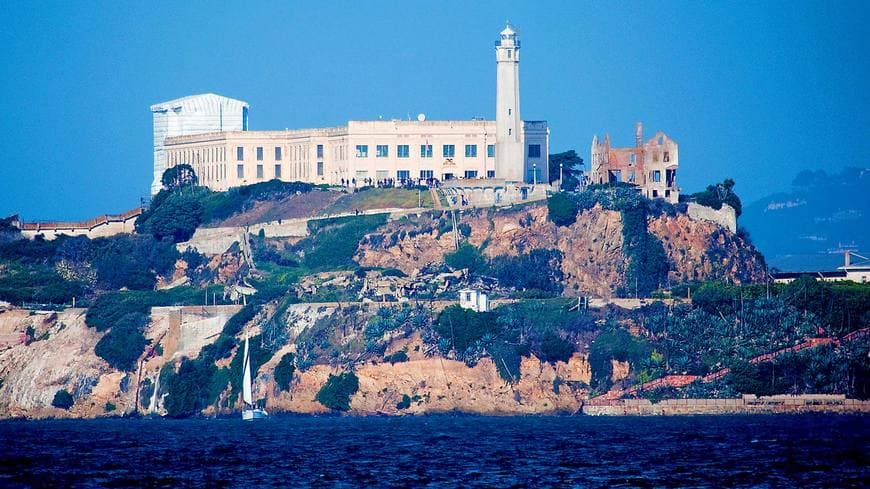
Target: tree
721,193
179,176
176,219
62,399
572,168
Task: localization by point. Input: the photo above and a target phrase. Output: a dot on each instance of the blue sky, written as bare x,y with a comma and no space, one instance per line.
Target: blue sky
751,92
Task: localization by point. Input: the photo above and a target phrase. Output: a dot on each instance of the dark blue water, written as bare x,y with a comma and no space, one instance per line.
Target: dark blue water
440,451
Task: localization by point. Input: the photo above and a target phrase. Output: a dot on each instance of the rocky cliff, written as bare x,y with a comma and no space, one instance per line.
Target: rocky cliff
593,260
64,359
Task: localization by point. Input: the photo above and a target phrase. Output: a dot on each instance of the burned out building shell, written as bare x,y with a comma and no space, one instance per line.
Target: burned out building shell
651,165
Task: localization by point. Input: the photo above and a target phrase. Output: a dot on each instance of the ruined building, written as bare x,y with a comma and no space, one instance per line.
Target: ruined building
652,166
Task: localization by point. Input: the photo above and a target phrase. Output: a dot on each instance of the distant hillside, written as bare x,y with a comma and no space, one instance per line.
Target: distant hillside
801,229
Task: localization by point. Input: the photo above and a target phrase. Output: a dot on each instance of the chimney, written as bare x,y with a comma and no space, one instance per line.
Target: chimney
638,134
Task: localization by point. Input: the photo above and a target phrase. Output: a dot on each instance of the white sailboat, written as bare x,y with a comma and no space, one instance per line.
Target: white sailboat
249,412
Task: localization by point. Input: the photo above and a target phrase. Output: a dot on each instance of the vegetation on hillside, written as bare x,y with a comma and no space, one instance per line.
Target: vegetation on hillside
648,265
55,271
716,195
176,212
62,399
337,391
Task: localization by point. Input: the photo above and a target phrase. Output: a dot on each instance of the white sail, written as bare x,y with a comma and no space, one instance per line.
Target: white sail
246,380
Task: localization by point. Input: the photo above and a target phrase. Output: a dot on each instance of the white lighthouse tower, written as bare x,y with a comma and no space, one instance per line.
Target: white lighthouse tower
508,141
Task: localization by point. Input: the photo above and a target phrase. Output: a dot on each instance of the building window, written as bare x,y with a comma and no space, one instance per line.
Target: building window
490,173
320,151
362,150
471,151
425,151
657,176
319,168
632,158
490,150
381,175
240,171
259,153
240,153
259,171
382,151
509,131
470,173
361,175
448,150
509,54
277,171
426,174
655,193
509,112
667,157
403,175
277,153
402,151
534,151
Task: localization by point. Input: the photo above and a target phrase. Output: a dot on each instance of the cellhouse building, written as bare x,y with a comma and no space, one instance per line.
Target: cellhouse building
209,132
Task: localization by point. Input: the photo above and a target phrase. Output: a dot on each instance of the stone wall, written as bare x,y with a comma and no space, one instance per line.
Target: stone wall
725,217
748,404
99,227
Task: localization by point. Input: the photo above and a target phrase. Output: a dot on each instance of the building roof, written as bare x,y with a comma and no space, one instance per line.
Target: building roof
199,102
508,31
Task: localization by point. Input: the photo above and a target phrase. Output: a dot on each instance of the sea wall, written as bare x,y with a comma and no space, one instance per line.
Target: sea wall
748,404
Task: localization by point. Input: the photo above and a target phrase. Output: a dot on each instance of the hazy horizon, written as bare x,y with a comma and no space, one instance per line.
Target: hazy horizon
752,93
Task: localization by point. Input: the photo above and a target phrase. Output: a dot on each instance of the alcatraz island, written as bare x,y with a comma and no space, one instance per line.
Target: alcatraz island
416,266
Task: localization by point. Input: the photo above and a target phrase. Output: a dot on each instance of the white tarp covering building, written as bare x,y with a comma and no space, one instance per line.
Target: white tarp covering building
195,114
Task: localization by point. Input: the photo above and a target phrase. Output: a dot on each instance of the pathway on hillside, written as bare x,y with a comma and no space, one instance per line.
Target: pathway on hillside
436,199
684,380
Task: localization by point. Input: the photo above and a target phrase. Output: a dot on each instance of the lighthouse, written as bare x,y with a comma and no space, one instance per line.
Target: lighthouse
509,160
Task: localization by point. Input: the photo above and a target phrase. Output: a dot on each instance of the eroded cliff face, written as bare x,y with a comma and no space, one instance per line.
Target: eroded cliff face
438,385
593,260
702,250
65,359
61,358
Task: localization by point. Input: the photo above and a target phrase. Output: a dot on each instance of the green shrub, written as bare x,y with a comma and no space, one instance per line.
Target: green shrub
145,392
123,344
405,403
333,242
109,407
562,209
462,328
62,399
284,371
716,195
337,391
556,349
464,229
539,270
189,390
466,256
397,357
614,344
